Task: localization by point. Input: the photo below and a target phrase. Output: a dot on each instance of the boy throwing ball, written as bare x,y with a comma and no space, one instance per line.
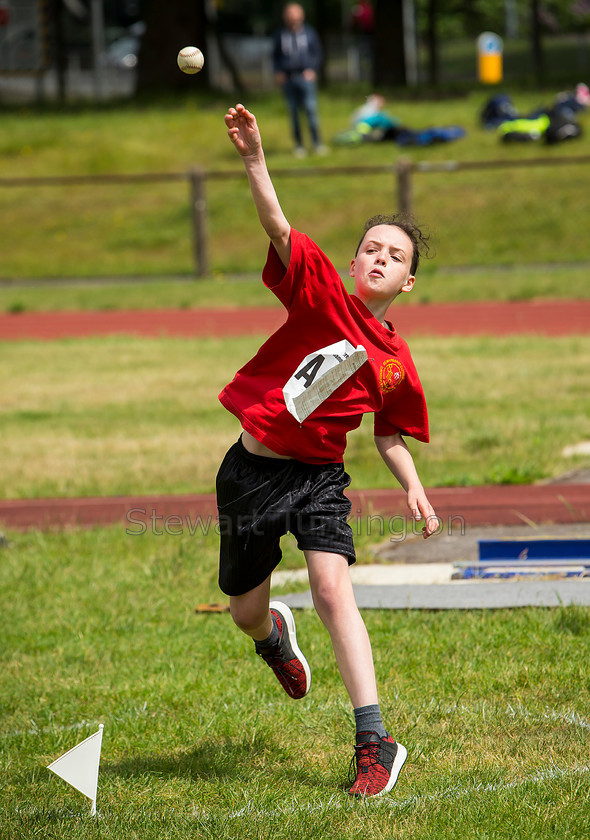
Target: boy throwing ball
333,360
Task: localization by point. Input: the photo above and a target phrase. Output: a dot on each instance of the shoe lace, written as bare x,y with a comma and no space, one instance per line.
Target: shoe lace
275,658
365,756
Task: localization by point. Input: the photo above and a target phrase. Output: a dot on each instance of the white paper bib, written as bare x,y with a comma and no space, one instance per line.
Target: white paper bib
319,374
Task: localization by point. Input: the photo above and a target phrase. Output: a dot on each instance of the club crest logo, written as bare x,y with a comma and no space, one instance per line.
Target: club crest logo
391,374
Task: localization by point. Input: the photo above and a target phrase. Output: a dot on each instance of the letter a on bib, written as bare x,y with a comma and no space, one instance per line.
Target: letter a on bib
319,374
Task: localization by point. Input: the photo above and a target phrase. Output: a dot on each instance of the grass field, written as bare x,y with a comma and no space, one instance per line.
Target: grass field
99,626
200,740
508,217
127,415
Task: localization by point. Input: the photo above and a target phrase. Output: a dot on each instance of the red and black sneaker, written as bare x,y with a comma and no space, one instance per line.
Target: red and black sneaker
286,660
378,763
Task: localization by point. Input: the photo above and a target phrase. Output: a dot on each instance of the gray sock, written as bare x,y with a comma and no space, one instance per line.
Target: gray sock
368,719
270,642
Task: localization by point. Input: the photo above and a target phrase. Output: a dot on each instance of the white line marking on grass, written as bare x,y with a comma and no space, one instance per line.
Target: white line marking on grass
36,730
336,801
572,717
138,711
539,777
448,794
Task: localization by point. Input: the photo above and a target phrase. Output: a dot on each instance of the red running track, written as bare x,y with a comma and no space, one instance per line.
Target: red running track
552,318
455,506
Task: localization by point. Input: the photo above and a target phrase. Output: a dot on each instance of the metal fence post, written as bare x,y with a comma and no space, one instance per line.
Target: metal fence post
199,218
404,185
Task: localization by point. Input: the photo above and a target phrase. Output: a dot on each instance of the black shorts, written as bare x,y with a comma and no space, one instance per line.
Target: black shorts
260,499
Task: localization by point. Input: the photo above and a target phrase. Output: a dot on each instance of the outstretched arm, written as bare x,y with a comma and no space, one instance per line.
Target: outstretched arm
244,134
397,456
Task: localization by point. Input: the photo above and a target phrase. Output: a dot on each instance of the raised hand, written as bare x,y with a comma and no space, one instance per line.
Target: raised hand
243,131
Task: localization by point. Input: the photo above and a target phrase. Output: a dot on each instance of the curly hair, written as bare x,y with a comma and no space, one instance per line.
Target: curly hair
417,236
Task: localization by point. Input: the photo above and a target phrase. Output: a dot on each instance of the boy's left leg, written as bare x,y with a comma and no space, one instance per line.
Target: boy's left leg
378,757
333,598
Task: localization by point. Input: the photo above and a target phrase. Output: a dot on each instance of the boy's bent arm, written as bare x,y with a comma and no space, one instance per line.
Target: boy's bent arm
244,134
397,456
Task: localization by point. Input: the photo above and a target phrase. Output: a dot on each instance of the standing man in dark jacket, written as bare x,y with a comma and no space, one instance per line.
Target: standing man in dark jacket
297,57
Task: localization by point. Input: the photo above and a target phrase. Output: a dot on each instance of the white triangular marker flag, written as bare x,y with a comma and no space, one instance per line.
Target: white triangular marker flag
79,766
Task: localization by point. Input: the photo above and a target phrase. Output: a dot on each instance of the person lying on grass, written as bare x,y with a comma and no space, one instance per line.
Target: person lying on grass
333,360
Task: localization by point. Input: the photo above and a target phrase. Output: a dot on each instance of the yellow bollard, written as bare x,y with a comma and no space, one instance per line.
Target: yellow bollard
489,58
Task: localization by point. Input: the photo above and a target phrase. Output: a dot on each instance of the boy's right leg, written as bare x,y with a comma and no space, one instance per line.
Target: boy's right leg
272,627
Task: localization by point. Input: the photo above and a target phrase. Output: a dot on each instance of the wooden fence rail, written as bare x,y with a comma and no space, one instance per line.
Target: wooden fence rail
402,171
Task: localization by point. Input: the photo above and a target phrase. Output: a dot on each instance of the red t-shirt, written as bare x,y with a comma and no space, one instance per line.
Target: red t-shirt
321,313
